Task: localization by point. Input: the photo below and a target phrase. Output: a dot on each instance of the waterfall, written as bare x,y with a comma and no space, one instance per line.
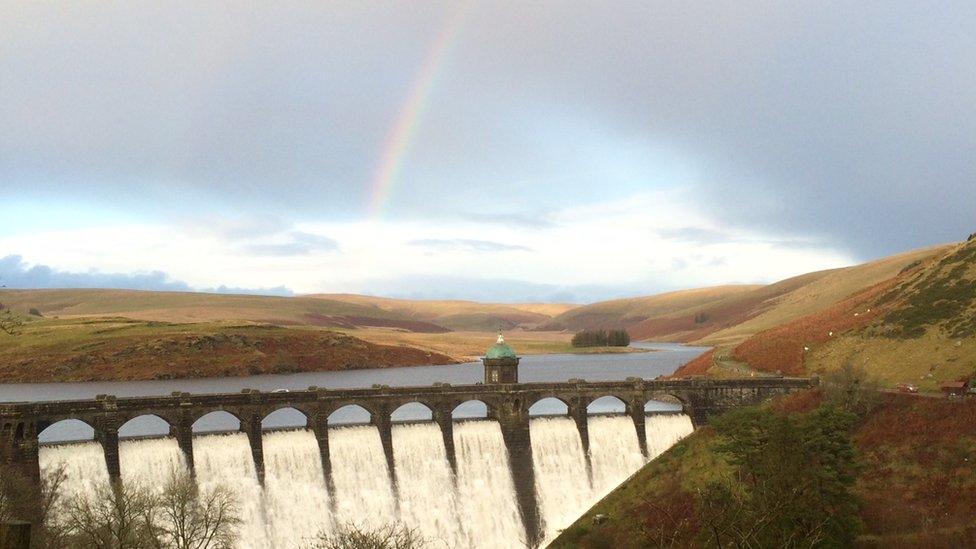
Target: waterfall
425,484
614,452
564,489
664,430
485,493
477,508
363,495
561,479
83,465
150,462
225,460
295,496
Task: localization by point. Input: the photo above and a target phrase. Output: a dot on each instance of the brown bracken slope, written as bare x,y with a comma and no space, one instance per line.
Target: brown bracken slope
916,483
125,349
917,327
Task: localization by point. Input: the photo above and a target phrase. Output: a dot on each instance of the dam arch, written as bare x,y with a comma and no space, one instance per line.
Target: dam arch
78,430
155,424
286,417
349,414
549,406
608,404
412,411
217,420
471,409
665,402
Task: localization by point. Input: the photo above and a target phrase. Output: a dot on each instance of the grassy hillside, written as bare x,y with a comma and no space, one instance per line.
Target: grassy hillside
627,313
337,311
460,315
916,486
916,327
727,315
121,334
95,349
818,294
698,322
187,307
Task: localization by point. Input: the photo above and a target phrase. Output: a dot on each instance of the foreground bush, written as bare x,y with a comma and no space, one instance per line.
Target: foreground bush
355,536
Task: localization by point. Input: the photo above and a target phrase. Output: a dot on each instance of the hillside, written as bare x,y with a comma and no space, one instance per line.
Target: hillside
121,334
627,313
915,327
727,315
915,488
187,307
124,349
460,315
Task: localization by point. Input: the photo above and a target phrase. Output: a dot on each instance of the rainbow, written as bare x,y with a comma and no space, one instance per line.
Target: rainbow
404,127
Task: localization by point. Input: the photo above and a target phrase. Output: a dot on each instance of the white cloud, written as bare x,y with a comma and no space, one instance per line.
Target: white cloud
647,243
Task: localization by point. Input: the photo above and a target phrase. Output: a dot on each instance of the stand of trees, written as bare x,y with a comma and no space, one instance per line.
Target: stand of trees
601,338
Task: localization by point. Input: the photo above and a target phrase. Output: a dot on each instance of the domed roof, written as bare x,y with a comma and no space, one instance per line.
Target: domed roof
500,349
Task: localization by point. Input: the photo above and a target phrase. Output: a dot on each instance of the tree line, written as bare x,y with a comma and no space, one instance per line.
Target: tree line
601,338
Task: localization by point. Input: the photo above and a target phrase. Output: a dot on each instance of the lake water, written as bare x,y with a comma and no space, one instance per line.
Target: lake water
665,359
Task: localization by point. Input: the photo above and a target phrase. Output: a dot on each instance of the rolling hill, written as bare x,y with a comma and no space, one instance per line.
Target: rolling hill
629,312
460,315
916,326
106,348
727,315
335,311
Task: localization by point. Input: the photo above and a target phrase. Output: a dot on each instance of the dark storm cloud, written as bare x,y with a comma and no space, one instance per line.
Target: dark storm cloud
14,273
851,122
466,245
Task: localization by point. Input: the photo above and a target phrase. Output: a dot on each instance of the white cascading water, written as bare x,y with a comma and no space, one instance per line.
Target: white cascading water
487,507
83,465
425,485
614,452
150,462
561,480
564,490
363,495
225,460
477,510
664,430
295,496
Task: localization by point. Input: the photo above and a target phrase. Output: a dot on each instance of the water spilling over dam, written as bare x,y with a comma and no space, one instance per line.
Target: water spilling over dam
474,507
499,463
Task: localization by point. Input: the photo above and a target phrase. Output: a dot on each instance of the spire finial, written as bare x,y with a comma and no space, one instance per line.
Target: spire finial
501,338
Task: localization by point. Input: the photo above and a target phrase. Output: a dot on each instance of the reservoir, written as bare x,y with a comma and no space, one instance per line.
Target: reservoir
661,359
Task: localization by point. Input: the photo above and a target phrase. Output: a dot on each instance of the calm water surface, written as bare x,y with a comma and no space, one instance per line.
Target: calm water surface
665,359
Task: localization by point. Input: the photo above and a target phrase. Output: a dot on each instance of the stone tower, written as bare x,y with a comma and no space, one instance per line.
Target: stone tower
501,364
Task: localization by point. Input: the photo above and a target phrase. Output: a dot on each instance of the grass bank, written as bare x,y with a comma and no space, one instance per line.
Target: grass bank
916,484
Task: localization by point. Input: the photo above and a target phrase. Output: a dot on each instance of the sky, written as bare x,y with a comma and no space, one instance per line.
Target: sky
497,151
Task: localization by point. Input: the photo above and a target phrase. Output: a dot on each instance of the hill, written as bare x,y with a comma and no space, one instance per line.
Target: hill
627,313
915,487
726,315
93,334
102,349
460,315
186,307
917,327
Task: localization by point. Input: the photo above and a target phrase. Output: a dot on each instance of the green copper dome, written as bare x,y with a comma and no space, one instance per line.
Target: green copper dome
500,350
